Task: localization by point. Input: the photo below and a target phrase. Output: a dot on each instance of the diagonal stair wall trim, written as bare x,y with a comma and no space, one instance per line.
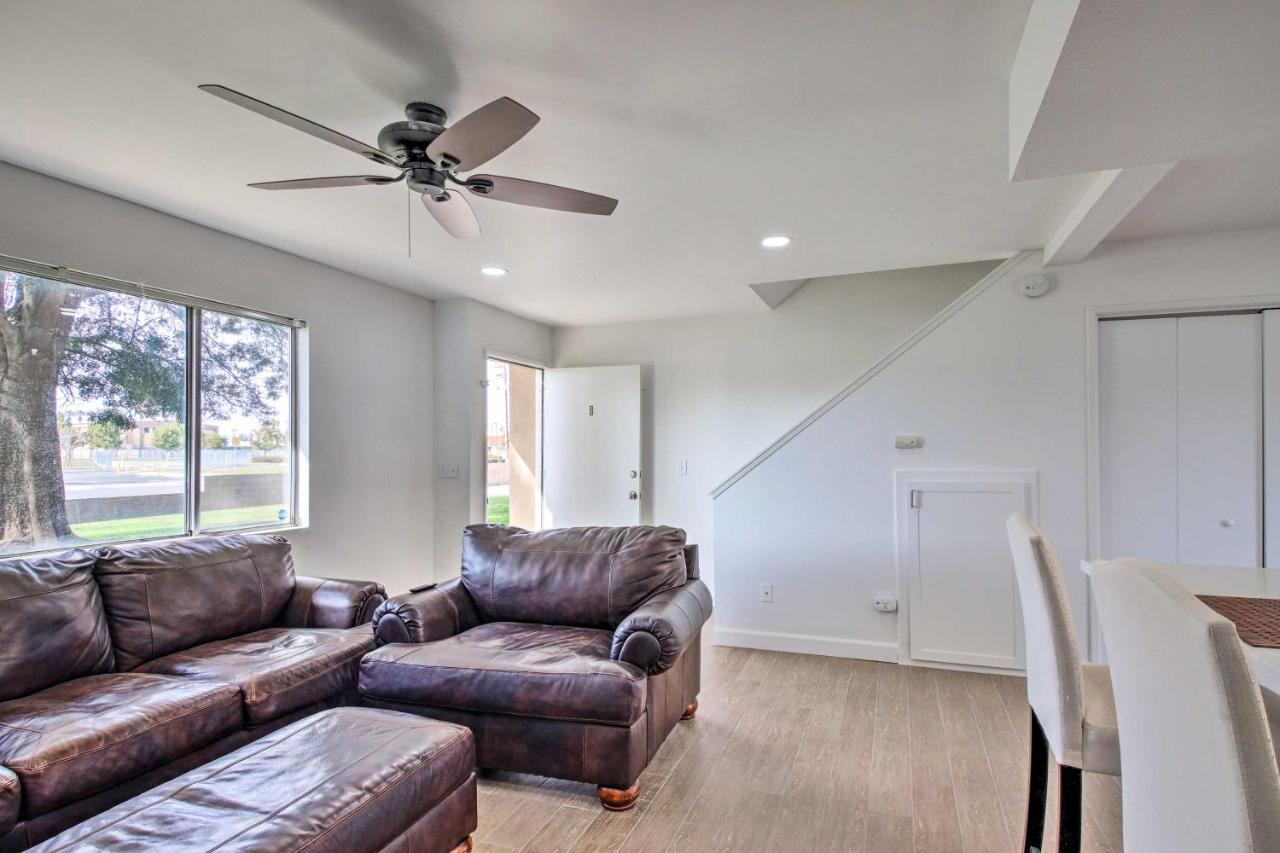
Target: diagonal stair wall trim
982,285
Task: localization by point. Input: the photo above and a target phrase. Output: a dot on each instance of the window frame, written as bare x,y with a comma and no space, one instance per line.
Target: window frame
194,308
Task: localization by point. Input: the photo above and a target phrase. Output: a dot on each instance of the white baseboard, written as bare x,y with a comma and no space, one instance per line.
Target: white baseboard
806,644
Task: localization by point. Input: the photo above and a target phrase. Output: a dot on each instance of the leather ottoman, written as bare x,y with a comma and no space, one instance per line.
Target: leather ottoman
347,779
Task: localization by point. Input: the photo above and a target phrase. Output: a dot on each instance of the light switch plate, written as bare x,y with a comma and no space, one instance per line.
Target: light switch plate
908,442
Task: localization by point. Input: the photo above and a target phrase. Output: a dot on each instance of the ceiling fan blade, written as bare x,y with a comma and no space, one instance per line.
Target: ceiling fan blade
297,122
534,194
321,183
453,213
482,135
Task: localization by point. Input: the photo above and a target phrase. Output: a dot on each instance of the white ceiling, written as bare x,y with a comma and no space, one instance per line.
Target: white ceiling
1210,195
870,132
1139,82
875,133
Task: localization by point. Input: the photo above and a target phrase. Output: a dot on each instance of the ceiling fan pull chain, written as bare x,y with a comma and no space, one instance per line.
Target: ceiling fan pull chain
408,218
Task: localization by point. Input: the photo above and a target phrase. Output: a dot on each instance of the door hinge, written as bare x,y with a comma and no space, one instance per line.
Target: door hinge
915,498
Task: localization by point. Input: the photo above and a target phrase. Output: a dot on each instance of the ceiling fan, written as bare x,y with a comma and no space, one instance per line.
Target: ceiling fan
430,156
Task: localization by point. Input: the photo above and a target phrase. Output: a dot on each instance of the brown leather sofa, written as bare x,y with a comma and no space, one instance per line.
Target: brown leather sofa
123,667
569,653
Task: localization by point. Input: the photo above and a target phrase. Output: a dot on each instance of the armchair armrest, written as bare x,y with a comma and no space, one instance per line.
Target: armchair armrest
331,603
658,631
420,617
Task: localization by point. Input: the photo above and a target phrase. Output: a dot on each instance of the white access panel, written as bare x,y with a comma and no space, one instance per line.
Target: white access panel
1138,438
592,423
1220,440
961,592
1271,436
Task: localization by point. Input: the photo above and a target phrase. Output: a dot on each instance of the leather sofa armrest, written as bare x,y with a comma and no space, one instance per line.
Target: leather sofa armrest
429,614
331,603
658,631
10,799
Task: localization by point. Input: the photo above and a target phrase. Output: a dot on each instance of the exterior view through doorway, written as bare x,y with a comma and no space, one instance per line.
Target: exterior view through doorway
513,444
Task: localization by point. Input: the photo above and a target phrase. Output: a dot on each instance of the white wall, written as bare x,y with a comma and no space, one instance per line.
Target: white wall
1002,384
466,333
370,392
718,390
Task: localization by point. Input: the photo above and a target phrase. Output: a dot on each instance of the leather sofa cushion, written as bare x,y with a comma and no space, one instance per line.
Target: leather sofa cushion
584,576
171,596
349,780
278,670
545,671
54,625
83,736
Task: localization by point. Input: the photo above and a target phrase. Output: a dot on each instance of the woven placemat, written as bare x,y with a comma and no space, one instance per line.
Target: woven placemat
1257,619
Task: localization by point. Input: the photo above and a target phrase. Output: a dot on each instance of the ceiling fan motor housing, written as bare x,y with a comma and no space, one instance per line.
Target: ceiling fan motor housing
424,179
408,140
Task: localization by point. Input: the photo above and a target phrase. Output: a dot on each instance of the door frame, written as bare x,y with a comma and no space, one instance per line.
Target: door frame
1093,314
480,452
907,559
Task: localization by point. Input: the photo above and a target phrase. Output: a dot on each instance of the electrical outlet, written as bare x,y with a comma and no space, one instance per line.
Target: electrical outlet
766,593
684,467
908,442
448,470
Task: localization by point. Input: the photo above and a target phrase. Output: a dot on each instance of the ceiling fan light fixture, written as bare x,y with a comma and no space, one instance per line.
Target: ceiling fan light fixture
493,272
776,241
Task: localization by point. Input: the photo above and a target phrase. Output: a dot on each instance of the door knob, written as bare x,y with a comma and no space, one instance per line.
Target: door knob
633,496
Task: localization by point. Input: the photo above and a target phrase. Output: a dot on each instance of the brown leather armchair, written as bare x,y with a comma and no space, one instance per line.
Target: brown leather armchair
569,653
122,667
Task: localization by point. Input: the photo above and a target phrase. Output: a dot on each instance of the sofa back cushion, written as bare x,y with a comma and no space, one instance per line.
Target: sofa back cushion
583,576
52,626
168,597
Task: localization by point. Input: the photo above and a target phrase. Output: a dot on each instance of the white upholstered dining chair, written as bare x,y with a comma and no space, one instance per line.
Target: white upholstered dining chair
1073,719
1199,762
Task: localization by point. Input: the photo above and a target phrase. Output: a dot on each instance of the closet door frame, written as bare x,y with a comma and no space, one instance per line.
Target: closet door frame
1093,379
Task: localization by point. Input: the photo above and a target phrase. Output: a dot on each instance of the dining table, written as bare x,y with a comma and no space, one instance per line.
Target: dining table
1226,580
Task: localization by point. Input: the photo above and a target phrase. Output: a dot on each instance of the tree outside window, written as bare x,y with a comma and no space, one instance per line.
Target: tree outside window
80,367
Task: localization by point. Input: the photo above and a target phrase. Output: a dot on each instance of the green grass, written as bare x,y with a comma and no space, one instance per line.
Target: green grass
499,509
172,525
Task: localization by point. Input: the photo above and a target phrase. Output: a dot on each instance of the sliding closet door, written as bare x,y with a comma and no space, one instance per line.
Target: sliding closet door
1181,439
1220,440
1138,438
1271,435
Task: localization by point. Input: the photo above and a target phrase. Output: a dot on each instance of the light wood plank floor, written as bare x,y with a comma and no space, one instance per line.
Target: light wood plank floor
805,753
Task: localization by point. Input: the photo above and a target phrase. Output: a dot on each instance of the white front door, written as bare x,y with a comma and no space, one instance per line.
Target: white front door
591,452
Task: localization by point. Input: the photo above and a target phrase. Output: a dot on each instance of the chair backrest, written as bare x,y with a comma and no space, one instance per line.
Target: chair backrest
1199,765
170,596
1053,658
591,577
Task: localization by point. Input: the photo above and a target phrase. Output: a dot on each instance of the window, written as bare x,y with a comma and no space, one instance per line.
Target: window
245,464
111,430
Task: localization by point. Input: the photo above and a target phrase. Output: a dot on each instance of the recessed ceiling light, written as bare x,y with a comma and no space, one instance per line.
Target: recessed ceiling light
776,241
493,272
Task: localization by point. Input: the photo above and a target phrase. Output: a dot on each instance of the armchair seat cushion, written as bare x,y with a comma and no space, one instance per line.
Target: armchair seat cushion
83,736
543,671
278,670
